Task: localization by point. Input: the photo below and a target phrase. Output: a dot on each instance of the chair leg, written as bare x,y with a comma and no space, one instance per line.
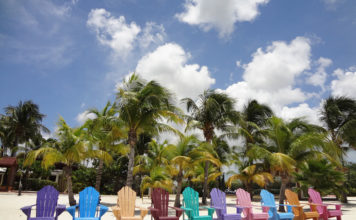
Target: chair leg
338,217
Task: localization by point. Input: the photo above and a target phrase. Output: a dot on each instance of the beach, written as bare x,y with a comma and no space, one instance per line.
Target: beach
10,204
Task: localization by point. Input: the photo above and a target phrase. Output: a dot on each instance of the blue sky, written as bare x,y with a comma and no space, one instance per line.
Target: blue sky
68,56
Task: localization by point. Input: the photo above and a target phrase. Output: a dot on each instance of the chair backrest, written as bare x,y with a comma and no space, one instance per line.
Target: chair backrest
316,198
218,199
88,202
292,199
191,200
126,201
243,199
160,198
267,199
46,202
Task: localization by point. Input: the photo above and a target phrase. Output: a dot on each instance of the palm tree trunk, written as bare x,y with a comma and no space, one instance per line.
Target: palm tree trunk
132,142
285,180
205,189
68,173
249,190
99,175
343,198
179,188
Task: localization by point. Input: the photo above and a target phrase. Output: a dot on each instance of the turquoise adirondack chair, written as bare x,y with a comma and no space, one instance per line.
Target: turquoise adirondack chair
191,206
88,203
267,199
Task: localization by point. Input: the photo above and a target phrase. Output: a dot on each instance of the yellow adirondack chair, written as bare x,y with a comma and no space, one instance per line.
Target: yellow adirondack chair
125,208
292,199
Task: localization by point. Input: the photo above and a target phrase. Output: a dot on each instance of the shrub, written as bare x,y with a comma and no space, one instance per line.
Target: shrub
37,184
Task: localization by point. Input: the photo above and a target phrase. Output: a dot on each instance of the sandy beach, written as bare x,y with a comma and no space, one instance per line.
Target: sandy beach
10,205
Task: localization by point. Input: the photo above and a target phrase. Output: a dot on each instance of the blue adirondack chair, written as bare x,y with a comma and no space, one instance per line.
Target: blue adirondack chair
88,203
46,205
267,199
218,202
191,206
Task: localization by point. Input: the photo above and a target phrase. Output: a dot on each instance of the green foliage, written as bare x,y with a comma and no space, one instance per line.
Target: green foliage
322,175
35,184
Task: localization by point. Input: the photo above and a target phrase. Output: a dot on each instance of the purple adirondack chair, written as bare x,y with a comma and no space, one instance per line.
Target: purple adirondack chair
46,205
322,208
218,202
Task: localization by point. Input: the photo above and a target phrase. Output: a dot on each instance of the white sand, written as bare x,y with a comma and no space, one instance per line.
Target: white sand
10,205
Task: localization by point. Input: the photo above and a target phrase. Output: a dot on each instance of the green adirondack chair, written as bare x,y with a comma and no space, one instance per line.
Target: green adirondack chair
191,206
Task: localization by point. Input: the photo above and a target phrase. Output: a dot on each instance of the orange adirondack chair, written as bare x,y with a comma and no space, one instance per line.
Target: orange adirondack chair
244,201
292,199
322,208
125,208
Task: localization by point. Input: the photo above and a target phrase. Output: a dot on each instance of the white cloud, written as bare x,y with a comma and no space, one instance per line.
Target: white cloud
113,32
84,116
152,34
278,66
120,36
345,83
168,65
271,76
221,14
301,111
319,77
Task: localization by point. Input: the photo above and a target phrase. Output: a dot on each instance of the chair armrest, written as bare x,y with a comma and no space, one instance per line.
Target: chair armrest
71,210
218,208
210,210
188,211
116,211
27,210
265,208
154,212
244,207
59,209
143,212
178,211
103,210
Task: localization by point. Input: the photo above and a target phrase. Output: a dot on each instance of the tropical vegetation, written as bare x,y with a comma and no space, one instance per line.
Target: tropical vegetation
144,140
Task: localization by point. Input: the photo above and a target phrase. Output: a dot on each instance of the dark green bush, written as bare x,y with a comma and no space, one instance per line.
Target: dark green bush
34,184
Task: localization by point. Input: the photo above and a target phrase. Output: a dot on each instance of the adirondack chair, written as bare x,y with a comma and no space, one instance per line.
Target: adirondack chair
191,206
88,204
267,199
244,201
125,208
218,202
324,212
46,205
159,211
292,199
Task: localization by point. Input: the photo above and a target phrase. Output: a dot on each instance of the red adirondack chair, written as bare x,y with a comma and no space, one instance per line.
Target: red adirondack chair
322,208
159,209
244,201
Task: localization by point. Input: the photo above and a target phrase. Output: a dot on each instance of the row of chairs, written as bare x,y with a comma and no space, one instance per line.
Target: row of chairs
89,206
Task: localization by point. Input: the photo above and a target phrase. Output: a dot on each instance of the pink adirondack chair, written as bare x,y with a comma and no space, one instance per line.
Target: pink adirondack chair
322,208
244,201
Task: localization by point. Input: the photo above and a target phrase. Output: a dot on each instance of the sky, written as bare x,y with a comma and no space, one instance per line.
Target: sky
70,56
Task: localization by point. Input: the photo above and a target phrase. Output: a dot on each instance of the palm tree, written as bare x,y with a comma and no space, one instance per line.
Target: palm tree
105,133
339,117
23,123
142,106
198,173
288,145
158,178
252,120
179,157
213,110
322,175
249,175
69,150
